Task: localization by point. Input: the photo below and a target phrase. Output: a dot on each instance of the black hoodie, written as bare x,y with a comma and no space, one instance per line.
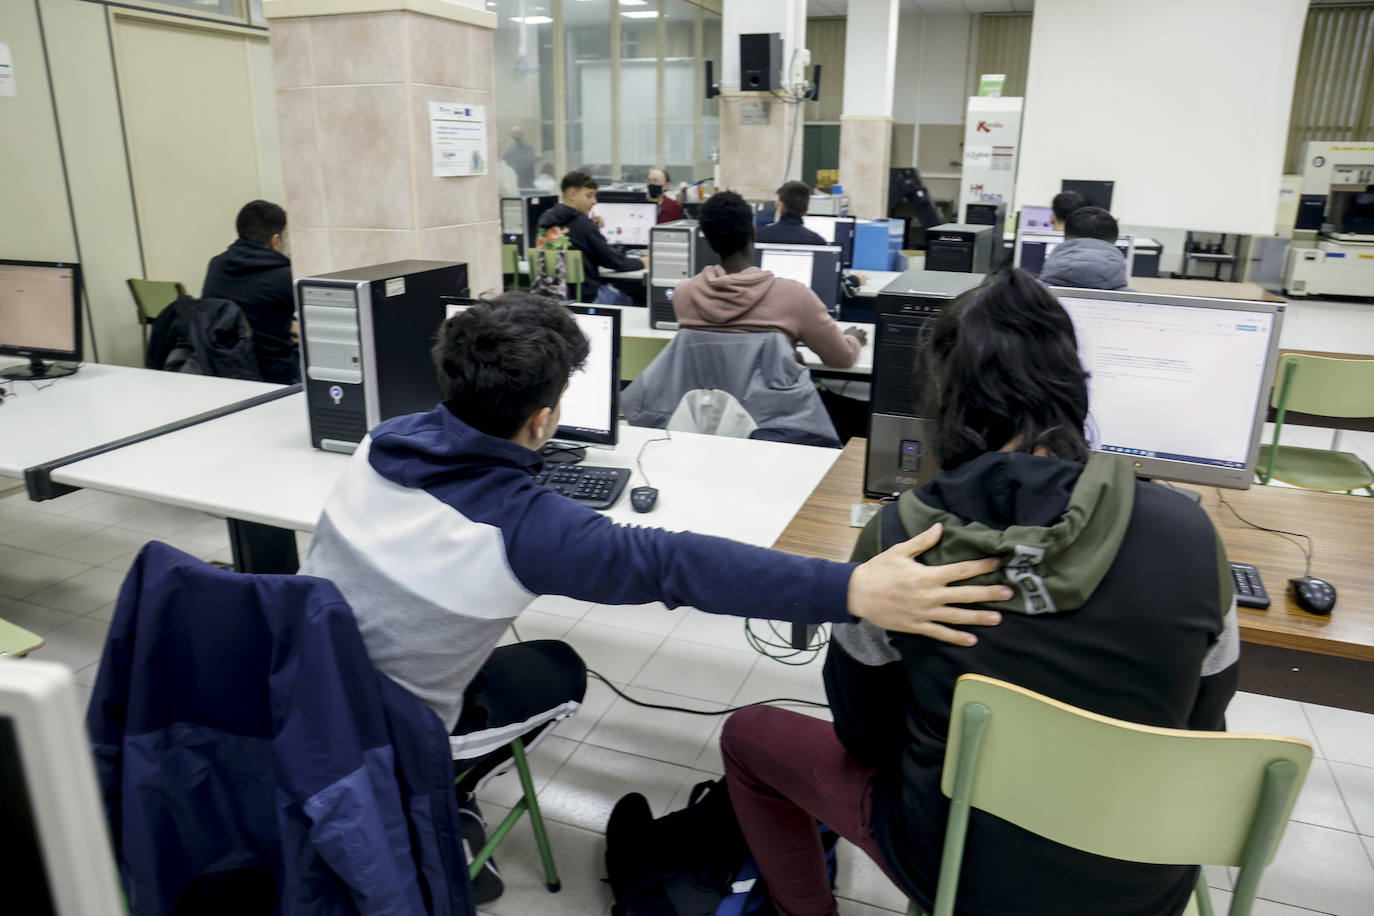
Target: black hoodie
587,238
259,280
1123,607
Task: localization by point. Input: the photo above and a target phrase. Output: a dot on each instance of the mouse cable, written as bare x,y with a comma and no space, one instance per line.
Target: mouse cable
1292,534
666,437
780,648
789,701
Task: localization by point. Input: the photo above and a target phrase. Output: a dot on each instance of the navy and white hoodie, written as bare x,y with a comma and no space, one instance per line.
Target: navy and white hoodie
438,537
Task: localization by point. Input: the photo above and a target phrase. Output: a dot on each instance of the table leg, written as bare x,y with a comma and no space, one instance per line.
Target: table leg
263,548
802,634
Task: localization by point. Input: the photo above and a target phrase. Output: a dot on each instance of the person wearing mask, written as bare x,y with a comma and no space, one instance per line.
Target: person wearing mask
572,215
734,295
668,209
794,197
1088,257
1125,609
255,273
520,156
1064,203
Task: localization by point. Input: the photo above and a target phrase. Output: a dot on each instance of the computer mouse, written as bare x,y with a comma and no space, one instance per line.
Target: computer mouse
1313,595
642,499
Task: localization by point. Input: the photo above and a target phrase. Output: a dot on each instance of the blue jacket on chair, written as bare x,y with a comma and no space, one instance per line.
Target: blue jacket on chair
247,749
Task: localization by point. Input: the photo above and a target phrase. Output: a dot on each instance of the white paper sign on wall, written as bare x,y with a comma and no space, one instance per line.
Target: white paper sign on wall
458,139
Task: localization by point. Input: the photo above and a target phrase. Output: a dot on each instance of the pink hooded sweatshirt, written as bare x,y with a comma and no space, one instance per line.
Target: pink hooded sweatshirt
755,300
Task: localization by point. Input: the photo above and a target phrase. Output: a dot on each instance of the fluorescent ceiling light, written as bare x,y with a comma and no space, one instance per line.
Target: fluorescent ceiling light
531,20
642,14
634,2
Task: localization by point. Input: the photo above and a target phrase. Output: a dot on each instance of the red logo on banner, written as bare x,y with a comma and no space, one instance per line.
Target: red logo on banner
983,126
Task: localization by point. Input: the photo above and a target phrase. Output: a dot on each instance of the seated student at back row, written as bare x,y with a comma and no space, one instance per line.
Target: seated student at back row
438,537
1140,624
737,296
794,199
1088,257
572,214
1064,203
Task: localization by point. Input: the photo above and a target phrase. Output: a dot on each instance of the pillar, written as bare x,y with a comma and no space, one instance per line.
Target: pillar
353,92
755,158
870,66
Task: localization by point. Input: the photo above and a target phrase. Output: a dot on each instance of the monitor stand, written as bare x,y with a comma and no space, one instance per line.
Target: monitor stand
37,370
556,452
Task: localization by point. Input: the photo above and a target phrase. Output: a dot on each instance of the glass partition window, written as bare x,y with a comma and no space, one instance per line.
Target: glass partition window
524,115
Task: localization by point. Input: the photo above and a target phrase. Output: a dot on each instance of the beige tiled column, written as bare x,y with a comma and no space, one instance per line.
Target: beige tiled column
753,156
870,68
865,155
352,101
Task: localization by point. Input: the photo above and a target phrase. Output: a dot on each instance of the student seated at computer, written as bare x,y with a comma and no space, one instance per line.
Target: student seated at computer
657,183
1088,257
256,273
1064,203
438,537
1123,607
737,296
572,215
794,199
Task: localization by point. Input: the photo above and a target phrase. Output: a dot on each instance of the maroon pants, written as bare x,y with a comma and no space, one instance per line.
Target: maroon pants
785,771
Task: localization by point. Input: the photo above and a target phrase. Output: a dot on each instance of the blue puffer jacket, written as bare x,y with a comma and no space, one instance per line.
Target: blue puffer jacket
1085,264
249,752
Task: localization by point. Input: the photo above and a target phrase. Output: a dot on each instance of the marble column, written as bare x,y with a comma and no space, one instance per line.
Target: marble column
353,92
870,67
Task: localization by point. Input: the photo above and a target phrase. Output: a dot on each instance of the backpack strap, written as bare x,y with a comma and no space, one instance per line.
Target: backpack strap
893,531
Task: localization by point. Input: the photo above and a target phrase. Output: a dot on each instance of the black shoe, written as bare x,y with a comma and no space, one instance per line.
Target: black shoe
487,886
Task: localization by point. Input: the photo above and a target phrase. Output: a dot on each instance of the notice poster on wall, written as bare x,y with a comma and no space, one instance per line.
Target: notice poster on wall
992,140
458,139
7,86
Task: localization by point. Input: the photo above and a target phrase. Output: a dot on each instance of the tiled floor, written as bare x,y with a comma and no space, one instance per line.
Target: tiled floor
61,564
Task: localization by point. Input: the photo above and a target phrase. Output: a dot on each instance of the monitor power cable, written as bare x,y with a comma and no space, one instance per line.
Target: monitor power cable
1307,553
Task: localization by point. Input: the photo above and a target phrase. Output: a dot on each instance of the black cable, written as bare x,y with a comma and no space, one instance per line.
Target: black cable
666,437
1308,553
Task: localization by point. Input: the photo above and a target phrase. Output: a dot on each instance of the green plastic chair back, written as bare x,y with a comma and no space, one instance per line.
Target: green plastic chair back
636,353
575,274
16,641
510,263
1114,788
1327,387
152,296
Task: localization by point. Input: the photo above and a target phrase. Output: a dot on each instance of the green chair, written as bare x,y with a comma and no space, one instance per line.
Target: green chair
1114,788
151,297
575,274
1327,387
16,641
527,803
636,353
510,265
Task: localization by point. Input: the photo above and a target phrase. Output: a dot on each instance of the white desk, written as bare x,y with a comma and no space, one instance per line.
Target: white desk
49,420
875,280
258,466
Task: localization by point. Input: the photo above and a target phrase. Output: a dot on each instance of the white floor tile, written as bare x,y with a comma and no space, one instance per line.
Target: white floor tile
709,760
546,759
617,654
1217,876
82,593
587,787
684,792
538,625
12,556
674,737
43,532
104,612
32,617
213,532
59,506
87,675
1321,869
13,519
561,605
594,705
854,908
772,680
1344,735
76,644
1320,802
114,510
579,856
691,669
1258,714
162,521
1356,784
723,630
1265,908
101,546
859,878
654,619
35,574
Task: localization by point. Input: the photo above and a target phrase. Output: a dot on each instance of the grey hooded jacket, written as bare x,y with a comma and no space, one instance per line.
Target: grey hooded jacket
1085,264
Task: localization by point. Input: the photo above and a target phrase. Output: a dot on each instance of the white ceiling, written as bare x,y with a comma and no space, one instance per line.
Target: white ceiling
822,8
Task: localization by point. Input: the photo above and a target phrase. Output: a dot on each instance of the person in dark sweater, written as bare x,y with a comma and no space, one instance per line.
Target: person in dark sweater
256,273
794,198
572,215
1123,607
1088,257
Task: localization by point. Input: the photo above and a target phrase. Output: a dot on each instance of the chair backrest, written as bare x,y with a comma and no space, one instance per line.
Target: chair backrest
510,259
575,273
1114,788
1325,386
152,296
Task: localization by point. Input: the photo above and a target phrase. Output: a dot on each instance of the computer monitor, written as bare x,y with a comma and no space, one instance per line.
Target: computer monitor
836,230
1096,193
1036,219
590,409
1178,384
765,212
625,224
57,846
534,206
816,266
40,317
1033,248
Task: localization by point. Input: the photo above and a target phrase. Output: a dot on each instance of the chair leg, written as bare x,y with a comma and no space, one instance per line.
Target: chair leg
536,817
1202,895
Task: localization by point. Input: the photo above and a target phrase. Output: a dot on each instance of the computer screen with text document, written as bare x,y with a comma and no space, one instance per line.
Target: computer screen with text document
38,308
791,265
824,226
591,404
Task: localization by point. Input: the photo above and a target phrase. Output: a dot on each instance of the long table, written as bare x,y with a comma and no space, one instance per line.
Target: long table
1288,652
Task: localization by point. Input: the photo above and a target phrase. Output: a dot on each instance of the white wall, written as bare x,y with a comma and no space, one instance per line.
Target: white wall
1198,143
870,47
746,17
932,61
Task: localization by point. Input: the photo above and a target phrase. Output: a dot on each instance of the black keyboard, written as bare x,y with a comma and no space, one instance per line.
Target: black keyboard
598,487
1249,589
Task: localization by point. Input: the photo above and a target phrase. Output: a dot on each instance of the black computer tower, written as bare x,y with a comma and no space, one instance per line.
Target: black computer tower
986,214
677,250
901,424
962,248
760,62
366,336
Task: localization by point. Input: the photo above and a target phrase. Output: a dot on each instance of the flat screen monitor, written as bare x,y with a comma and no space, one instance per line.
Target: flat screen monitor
1036,219
1178,384
534,206
836,230
1096,193
636,194
765,212
627,225
591,406
57,848
40,316
1033,248
816,266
